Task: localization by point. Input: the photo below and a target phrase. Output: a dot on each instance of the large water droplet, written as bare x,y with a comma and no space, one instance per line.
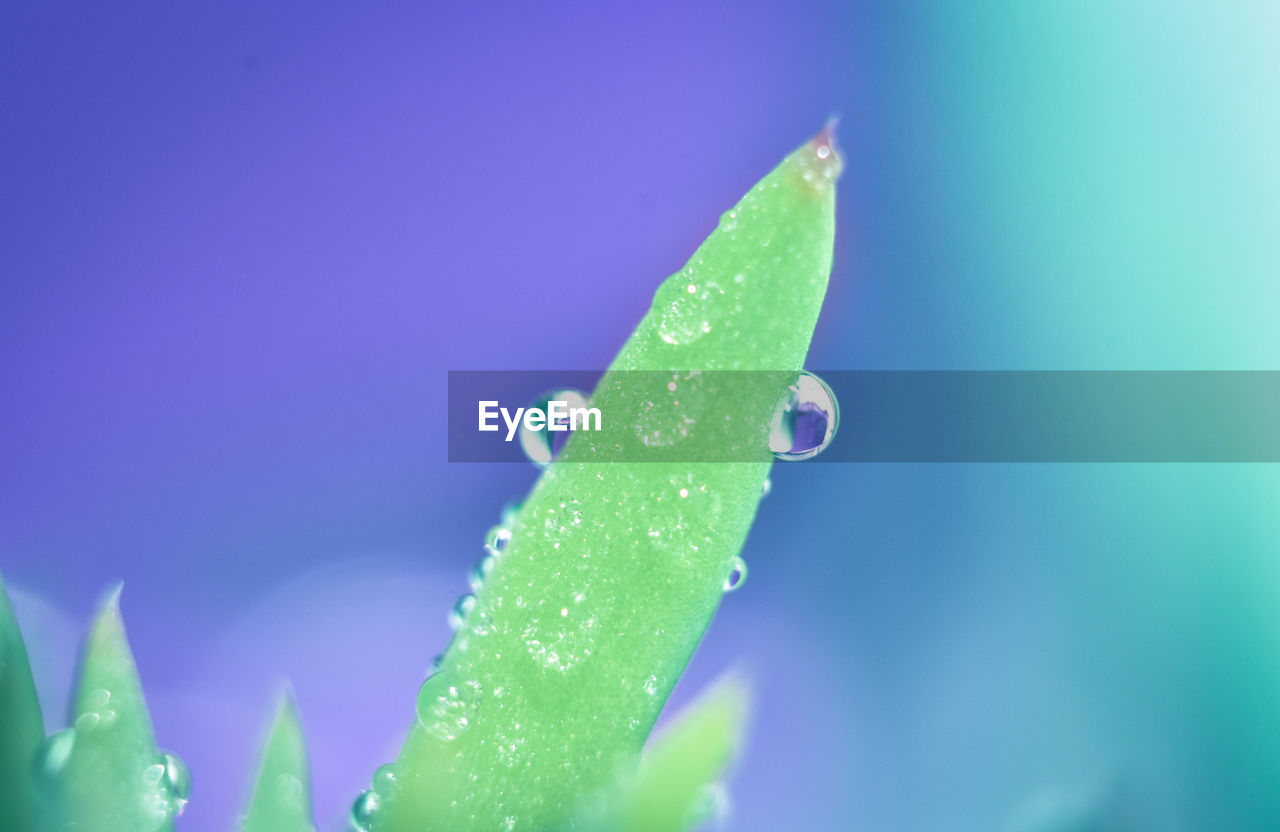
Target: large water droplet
807,421
364,809
51,759
497,538
176,778
461,610
542,446
447,705
737,574
385,780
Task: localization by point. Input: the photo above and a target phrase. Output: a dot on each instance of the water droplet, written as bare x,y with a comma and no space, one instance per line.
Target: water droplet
766,488
177,778
682,318
94,712
542,446
385,781
151,774
562,639
481,571
364,809
97,699
711,805
737,574
496,539
52,757
447,705
461,610
807,420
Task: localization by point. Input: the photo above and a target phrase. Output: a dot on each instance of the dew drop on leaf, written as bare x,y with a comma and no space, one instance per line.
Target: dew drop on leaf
481,571
496,540
447,705
737,574
364,809
461,610
176,778
806,422
385,781
543,446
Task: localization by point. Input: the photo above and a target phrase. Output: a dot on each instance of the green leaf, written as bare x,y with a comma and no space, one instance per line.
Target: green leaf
671,788
281,799
613,571
104,773
21,725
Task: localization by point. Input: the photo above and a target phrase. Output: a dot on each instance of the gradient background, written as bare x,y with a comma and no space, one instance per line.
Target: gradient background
240,247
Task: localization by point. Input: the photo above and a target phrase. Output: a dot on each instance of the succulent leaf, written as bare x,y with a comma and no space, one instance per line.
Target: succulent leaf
281,800
104,773
612,572
674,788
21,726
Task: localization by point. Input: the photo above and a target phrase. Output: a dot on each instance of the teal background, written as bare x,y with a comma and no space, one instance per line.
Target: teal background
240,246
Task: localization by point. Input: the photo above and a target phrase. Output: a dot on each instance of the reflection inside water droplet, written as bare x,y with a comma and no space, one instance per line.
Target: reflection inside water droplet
176,778
807,421
737,575
461,610
542,446
364,809
497,538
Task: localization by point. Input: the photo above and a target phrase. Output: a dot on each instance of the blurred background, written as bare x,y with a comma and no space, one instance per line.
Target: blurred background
241,245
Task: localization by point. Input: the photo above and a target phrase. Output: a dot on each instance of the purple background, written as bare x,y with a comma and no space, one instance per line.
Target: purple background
241,245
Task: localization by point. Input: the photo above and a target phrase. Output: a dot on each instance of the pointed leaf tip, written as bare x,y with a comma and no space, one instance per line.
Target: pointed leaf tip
748,299
281,799
675,786
113,776
826,137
